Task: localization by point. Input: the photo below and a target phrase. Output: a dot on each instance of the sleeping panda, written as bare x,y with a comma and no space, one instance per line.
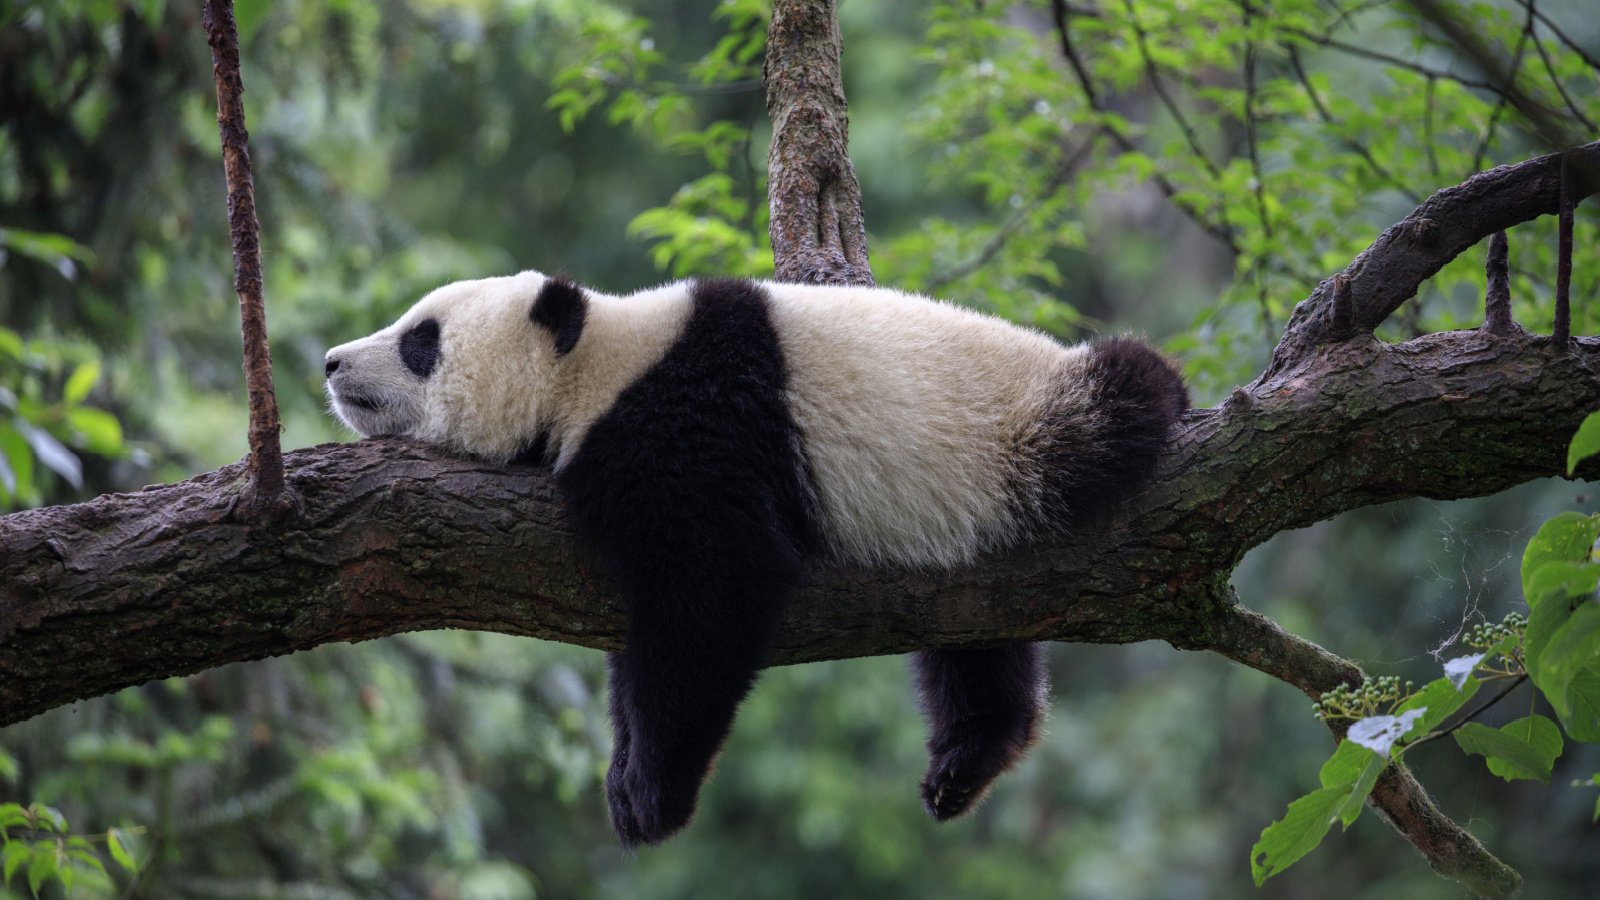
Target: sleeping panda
714,439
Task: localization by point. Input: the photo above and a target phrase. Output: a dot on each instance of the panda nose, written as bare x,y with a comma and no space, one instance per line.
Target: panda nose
330,367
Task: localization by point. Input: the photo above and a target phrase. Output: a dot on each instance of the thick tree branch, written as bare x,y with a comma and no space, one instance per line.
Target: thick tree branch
127,588
1389,272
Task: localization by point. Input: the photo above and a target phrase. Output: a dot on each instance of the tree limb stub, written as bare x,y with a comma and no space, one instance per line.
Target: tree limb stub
396,537
1411,251
818,233
266,457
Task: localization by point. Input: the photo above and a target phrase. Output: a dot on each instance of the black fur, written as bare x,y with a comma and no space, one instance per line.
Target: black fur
561,309
983,708
1137,397
419,348
535,452
693,494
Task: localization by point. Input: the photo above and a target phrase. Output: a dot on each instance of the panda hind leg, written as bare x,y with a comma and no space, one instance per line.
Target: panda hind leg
984,708
673,700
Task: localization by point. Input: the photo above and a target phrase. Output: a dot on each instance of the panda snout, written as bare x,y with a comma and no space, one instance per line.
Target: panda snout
330,366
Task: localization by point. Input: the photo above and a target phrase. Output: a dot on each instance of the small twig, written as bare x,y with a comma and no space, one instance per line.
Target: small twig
1360,149
266,457
1322,40
1547,122
1503,95
1016,220
1157,84
1562,332
1497,293
1572,45
1515,683
1217,229
1555,80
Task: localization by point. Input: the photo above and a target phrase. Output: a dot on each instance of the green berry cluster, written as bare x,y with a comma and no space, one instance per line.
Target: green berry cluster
1486,634
1373,694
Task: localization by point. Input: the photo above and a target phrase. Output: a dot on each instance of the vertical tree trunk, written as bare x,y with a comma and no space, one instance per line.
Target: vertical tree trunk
818,234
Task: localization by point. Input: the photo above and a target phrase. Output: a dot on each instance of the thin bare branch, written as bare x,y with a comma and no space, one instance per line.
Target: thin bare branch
1212,226
1573,108
1158,84
1562,331
266,457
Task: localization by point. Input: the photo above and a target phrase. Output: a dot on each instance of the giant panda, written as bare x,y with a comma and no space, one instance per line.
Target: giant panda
715,439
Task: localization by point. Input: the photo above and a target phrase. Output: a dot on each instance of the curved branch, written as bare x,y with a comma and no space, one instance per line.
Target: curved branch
1411,251
1256,641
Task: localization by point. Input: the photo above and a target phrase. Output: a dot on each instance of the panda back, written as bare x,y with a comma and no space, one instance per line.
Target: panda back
913,413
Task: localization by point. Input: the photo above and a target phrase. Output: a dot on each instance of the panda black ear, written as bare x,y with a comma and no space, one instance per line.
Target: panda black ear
560,308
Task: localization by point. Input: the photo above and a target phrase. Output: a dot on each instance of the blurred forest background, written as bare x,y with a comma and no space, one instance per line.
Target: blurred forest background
1223,162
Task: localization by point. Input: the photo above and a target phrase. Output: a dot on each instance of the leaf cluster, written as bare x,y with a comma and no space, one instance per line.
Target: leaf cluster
1556,647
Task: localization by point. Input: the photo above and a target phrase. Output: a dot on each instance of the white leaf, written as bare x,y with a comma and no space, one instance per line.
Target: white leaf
1379,733
1457,670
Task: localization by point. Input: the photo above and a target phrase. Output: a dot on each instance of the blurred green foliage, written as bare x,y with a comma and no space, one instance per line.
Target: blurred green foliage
1221,162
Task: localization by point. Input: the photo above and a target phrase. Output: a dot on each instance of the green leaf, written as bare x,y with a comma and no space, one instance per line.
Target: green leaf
1571,648
101,431
1585,443
50,452
81,382
12,815
12,856
47,818
1558,580
1356,800
1565,538
1299,832
15,449
1345,765
46,861
119,850
1441,699
1582,719
1526,748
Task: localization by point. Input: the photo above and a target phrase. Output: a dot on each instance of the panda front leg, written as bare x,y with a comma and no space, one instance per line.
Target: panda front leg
984,708
674,693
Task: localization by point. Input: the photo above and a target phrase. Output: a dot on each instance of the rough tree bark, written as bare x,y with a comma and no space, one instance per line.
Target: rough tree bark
396,537
266,457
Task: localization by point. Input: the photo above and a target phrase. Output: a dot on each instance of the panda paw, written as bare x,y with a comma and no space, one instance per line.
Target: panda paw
643,811
958,779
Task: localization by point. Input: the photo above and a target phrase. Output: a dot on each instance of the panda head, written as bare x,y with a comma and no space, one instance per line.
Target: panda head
473,365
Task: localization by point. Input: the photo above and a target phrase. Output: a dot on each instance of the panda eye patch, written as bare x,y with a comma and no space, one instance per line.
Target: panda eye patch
419,348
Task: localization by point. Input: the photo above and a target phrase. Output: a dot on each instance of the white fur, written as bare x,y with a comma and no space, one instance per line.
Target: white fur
914,413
